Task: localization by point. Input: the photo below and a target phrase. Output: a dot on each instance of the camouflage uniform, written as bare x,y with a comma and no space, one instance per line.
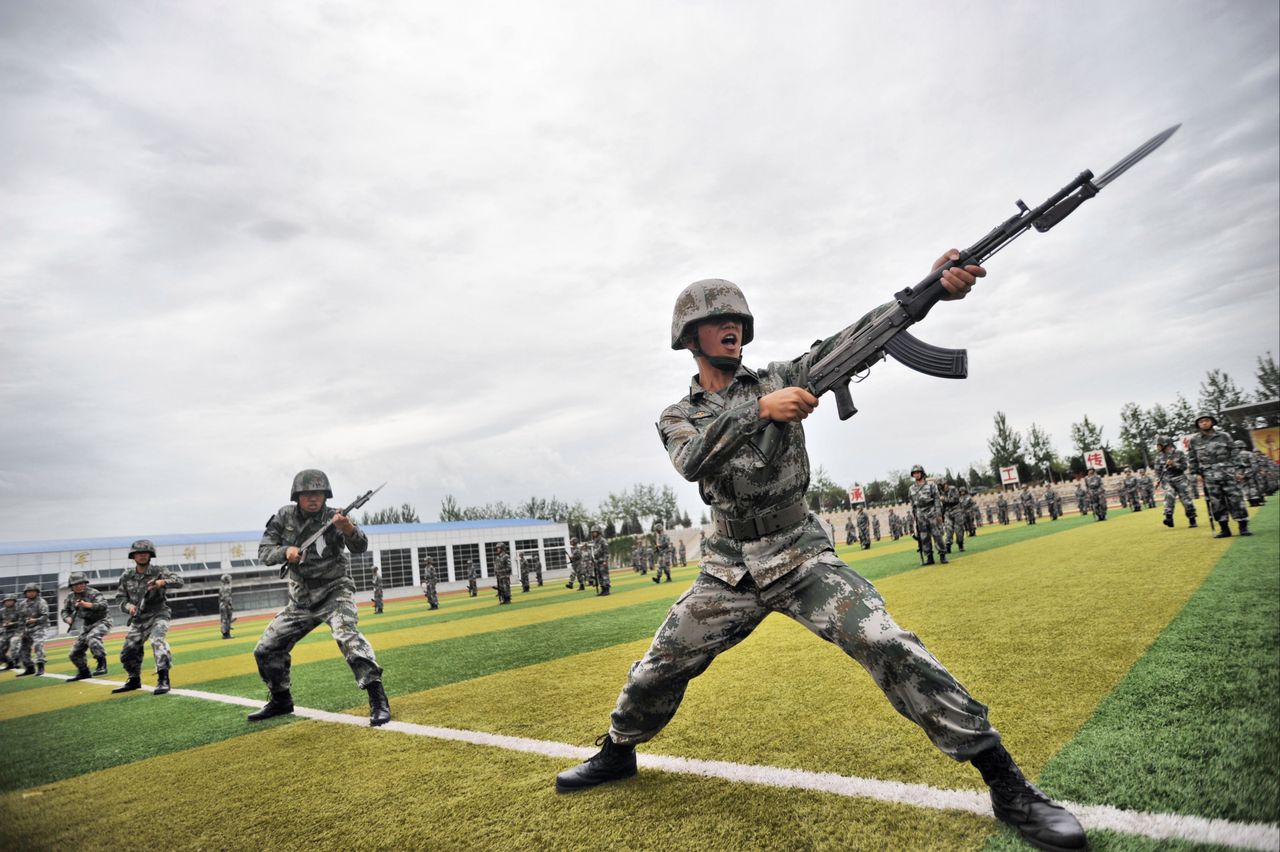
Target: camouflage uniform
972,514
152,620
1097,495
682,557
576,571
473,578
33,620
1051,503
864,529
377,591
536,564
850,536
1002,509
662,545
769,554
95,624
598,557
226,608
502,574
321,591
1252,466
954,522
926,505
1171,470
1147,488
1213,456
1130,487
12,639
895,525
875,527
1082,498
1028,502
427,570
526,568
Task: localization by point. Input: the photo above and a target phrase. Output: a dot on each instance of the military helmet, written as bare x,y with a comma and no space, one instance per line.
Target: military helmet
226,578
11,596
917,469
573,539
658,526
31,587
1203,414
1163,441
710,297
501,547
310,480
142,545
597,529
77,577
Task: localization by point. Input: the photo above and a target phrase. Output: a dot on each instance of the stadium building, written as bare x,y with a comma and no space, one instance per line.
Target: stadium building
400,550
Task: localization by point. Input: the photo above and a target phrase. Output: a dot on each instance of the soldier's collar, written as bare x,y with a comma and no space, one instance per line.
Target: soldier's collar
743,372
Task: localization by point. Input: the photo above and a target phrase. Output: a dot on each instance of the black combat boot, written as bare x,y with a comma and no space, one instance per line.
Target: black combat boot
1244,528
658,579
226,635
942,557
1016,802
1191,521
162,683
569,585
606,591
281,704
27,670
134,682
1224,531
40,667
612,763
1168,521
928,560
379,708
82,673
102,667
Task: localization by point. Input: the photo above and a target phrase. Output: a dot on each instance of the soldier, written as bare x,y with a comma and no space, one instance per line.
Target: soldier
1213,460
321,591
536,561
473,578
1248,460
909,521
225,606
526,567
33,622
895,525
1028,501
1051,502
428,572
12,640
143,596
377,591
769,554
864,529
90,606
970,511
1130,487
953,523
926,509
875,527
683,563
1002,509
1082,498
1097,495
598,555
662,545
1171,469
1147,488
575,565
849,535
1016,505
502,573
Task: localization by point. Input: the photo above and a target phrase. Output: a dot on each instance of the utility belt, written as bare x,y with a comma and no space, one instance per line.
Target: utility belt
759,526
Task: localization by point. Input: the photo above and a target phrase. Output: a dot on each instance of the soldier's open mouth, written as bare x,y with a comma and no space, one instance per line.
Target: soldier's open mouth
729,340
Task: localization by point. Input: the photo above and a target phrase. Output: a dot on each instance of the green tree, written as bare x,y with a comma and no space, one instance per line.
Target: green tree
406,514
1086,436
1268,376
1182,417
1218,391
1136,434
1005,445
1040,450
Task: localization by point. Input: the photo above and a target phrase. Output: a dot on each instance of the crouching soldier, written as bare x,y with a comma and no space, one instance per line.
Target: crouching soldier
33,621
90,606
142,596
321,591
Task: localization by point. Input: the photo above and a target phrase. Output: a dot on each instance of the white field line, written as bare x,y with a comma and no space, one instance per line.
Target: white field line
1193,829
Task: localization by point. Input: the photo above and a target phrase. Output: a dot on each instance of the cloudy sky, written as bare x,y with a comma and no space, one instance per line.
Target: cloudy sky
438,244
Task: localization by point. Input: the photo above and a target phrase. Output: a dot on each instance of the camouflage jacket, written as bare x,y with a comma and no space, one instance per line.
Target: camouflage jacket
1028,500
574,552
473,573
9,618
427,570
133,586
91,616
502,565
326,565
36,611
864,523
663,543
924,498
1130,484
1213,456
1002,503
1170,464
1093,482
224,594
598,551
1079,492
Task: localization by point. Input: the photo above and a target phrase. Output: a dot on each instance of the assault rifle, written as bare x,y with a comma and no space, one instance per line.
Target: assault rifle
315,536
887,332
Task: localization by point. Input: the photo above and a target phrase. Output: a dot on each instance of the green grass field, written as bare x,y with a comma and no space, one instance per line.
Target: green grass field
1132,670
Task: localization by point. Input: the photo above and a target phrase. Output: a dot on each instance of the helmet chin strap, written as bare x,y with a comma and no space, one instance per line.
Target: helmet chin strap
724,363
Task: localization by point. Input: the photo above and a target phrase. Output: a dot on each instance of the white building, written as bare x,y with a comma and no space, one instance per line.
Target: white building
400,550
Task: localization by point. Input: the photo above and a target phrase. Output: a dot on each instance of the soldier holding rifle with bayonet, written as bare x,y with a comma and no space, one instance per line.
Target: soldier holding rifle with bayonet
142,596
310,542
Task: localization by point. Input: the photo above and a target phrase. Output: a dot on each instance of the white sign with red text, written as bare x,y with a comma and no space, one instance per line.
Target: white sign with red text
1009,475
1096,460
856,495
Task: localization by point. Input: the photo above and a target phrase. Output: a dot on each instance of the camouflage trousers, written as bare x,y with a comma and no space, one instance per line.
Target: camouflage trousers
524,581
13,647
31,641
338,610
1003,516
1098,504
225,616
90,639
473,587
1179,487
1134,501
601,572
955,527
433,598
929,530
155,629
835,603
504,589
663,567
377,600
1226,498
1030,513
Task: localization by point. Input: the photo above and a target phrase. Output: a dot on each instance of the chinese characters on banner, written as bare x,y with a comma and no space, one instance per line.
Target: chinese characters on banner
856,496
1009,475
1096,459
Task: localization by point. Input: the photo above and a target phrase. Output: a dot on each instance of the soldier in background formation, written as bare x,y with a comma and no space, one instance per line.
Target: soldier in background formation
90,606
664,551
971,512
536,564
864,529
502,573
576,569
526,568
875,527
1252,463
1097,490
377,591
473,578
926,507
895,525
639,559
598,554
428,569
226,608
1213,458
909,522
10,650
1146,489
1028,501
1129,486
1171,470
953,520
321,591
1016,504
683,561
142,596
849,535
1002,509
1082,499
1052,502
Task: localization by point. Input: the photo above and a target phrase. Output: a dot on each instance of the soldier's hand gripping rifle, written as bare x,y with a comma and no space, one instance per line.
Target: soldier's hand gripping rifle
315,536
887,333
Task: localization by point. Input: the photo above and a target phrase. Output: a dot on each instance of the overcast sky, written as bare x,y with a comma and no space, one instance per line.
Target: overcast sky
439,244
